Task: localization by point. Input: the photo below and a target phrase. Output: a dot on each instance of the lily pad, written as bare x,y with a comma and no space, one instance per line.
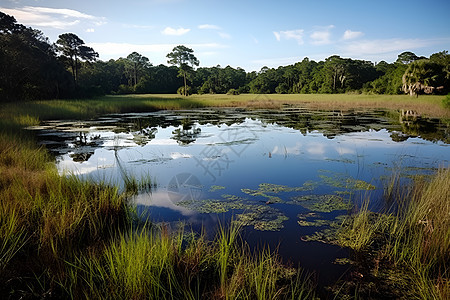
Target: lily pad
264,218
321,203
256,193
260,216
217,206
214,188
341,180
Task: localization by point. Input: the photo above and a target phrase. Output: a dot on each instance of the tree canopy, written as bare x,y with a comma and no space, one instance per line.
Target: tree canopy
184,58
73,49
33,68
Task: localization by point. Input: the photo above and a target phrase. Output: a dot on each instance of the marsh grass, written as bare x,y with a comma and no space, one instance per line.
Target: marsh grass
414,238
156,263
430,106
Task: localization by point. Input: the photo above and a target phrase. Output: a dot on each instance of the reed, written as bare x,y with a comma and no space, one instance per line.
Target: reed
415,237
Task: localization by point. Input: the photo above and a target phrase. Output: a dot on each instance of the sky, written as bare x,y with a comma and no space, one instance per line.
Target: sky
246,33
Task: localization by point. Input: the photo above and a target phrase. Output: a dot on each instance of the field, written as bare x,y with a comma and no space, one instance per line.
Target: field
62,237
430,106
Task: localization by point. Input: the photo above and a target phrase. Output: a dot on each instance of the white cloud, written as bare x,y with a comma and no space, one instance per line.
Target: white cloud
90,30
321,36
59,18
209,26
296,34
222,34
173,31
370,47
135,26
350,35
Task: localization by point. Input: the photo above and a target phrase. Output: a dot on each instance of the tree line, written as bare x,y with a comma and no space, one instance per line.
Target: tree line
33,68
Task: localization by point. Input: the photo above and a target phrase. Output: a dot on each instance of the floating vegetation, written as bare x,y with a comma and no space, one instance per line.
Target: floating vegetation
341,160
260,216
214,188
315,223
341,180
304,220
255,193
264,218
321,203
276,188
216,206
343,261
265,189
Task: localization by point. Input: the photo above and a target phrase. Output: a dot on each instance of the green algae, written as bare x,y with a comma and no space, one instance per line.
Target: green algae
214,188
341,180
263,218
343,261
260,216
216,206
266,190
321,203
312,219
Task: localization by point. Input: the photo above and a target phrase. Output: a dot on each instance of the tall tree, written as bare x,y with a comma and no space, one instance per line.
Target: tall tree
406,58
29,68
184,58
73,49
136,65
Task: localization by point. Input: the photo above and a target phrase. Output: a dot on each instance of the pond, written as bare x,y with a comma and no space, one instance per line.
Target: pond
283,174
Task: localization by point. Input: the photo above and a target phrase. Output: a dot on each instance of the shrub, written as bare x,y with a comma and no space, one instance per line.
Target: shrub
446,101
232,92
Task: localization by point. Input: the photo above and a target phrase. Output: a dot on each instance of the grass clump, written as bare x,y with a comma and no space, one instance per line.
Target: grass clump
407,250
155,263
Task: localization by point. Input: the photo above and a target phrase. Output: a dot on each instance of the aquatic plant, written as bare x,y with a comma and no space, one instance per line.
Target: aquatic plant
214,188
341,180
321,203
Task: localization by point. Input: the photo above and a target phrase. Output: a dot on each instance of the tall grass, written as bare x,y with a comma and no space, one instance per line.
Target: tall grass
89,108
152,263
415,237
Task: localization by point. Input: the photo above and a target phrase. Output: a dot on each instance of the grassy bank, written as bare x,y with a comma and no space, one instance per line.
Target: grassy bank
62,237
405,252
81,109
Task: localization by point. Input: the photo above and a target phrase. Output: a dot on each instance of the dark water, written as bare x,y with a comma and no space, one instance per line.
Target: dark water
267,169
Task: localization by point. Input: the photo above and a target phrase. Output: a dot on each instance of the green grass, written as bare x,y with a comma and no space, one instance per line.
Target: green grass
415,239
152,263
83,109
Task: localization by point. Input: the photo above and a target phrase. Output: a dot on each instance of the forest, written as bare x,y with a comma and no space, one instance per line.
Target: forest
32,68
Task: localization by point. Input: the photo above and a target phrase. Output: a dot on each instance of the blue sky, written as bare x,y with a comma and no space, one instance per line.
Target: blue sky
246,33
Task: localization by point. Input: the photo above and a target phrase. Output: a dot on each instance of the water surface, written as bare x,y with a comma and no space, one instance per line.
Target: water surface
283,174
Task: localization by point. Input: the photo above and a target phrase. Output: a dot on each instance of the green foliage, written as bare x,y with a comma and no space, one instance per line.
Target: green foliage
73,49
29,68
423,76
184,58
232,92
184,91
446,101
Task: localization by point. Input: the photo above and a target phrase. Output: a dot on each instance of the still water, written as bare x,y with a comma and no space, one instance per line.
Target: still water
283,174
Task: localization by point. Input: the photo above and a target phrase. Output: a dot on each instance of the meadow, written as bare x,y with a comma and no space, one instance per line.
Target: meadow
62,237
431,106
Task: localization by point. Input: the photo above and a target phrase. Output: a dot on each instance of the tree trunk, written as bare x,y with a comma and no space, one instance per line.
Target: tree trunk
185,85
